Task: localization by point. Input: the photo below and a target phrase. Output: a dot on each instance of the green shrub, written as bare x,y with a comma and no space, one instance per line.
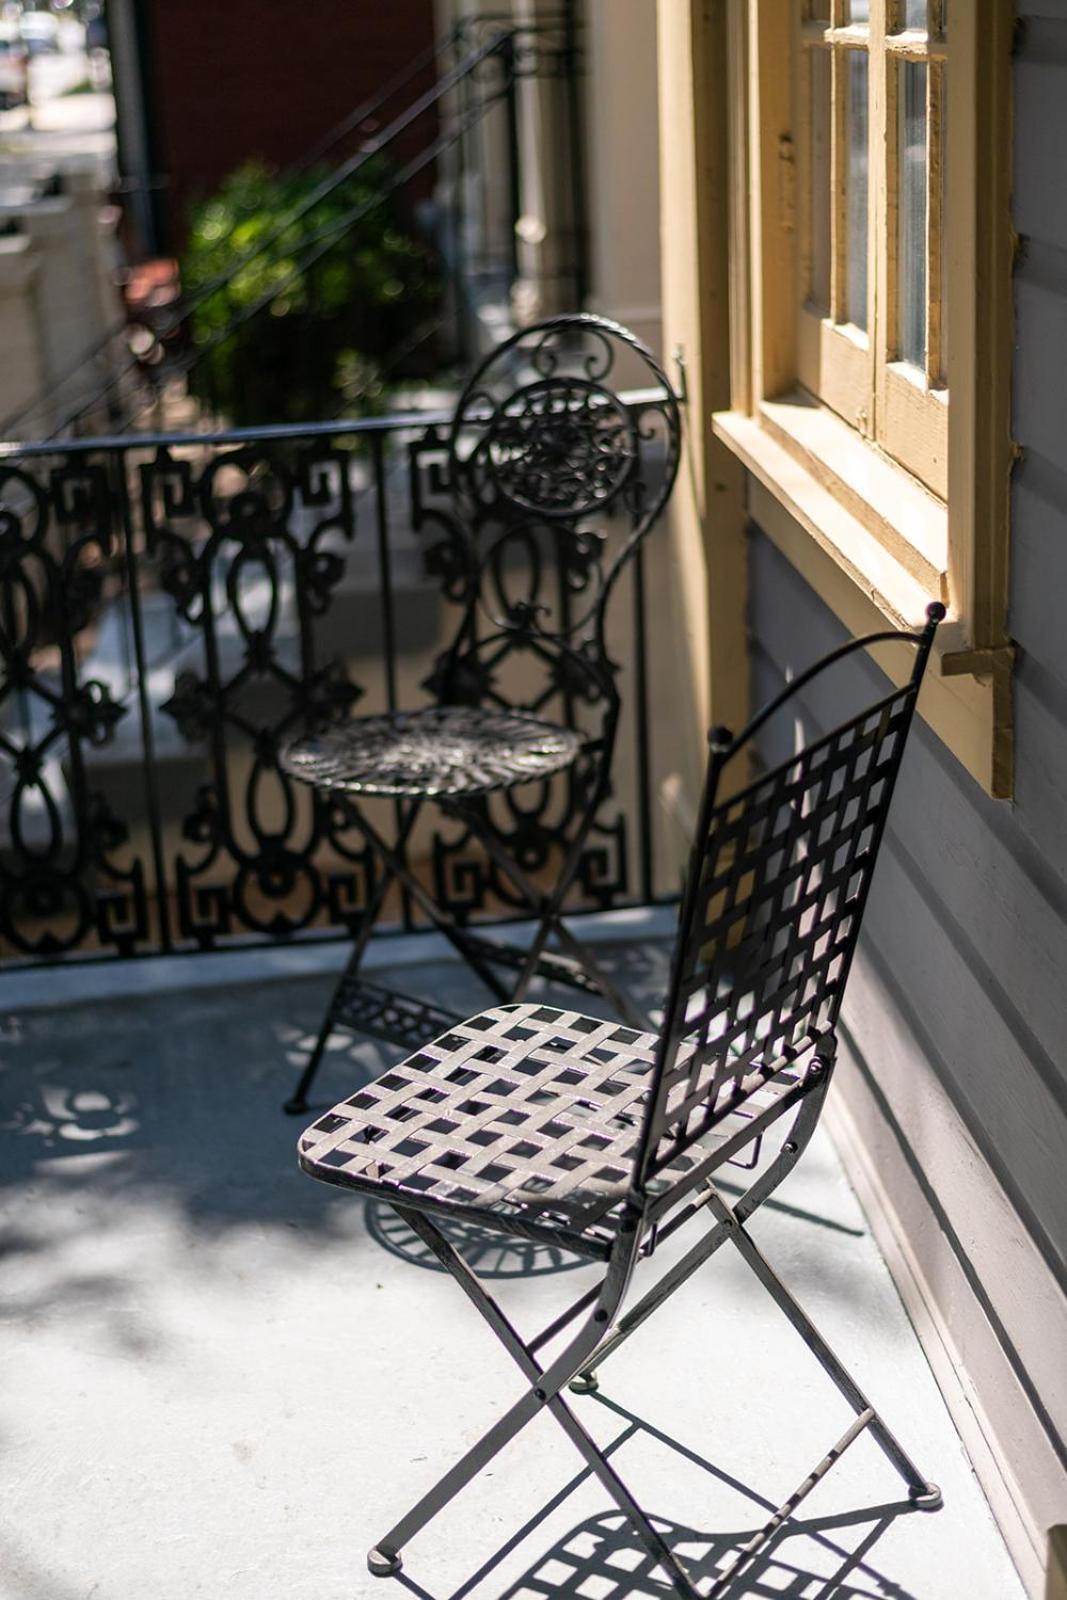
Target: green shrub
294,360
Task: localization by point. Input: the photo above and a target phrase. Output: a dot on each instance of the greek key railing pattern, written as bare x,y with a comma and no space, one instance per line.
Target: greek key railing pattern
174,609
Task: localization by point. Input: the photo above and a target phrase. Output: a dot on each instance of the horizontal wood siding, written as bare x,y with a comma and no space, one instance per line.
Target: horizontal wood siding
955,1069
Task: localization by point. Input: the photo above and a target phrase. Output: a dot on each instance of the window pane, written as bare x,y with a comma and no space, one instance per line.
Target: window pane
819,219
915,14
856,189
817,10
859,10
911,215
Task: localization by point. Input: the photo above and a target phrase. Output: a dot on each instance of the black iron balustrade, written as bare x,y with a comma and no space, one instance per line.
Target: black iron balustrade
174,609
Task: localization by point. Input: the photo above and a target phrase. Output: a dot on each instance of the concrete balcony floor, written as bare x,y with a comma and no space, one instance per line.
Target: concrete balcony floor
224,1379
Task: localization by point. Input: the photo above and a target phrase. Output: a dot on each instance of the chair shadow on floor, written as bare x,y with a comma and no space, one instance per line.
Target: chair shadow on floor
488,1253
642,968
602,1558
499,1256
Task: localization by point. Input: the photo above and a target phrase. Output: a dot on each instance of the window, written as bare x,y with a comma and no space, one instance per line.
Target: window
867,146
872,327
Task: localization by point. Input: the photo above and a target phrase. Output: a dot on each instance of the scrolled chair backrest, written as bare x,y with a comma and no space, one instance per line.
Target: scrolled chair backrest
557,473
778,878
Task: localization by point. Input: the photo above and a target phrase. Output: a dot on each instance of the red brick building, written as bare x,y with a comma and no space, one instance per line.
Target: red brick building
202,87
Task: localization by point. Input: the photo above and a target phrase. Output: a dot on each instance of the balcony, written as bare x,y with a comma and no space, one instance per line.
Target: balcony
234,1379
179,605
230,1378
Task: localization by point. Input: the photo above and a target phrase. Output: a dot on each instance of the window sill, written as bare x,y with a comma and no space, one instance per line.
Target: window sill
907,522
837,510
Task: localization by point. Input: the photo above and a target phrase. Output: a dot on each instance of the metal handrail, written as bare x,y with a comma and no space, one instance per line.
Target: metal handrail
392,422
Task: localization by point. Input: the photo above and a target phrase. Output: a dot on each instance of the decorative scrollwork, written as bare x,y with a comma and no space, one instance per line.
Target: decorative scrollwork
249,550
551,480
446,750
558,447
65,876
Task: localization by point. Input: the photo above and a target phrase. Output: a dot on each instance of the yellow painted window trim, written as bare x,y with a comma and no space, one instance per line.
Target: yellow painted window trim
856,372
898,510
855,576
872,541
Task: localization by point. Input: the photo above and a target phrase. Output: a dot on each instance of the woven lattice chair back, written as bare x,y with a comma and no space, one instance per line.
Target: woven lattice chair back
556,474
778,879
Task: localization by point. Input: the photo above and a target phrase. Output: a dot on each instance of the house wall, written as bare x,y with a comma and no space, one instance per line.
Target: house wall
58,300
23,371
952,1094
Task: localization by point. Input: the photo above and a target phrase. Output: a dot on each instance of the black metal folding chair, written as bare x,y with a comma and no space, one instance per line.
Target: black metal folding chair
541,1122
553,482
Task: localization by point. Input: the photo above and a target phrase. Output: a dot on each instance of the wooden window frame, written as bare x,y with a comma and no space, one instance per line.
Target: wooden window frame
913,407
873,539
855,372
835,359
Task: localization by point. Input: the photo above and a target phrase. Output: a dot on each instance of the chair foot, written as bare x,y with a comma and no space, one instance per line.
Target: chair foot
296,1107
380,1564
928,1498
584,1383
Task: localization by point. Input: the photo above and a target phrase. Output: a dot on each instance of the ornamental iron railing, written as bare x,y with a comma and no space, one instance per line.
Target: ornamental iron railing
173,610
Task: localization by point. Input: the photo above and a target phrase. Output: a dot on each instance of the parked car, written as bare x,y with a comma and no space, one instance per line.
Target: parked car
13,73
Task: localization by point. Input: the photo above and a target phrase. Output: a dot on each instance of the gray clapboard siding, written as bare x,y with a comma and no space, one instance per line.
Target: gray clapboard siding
1039,559
1040,810
997,894
954,917
1040,410
999,1324
1041,61
959,999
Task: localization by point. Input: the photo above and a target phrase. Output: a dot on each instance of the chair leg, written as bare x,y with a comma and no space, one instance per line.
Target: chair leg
601,1467
393,870
385,1558
923,1493
793,1147
547,908
297,1104
392,858
630,1014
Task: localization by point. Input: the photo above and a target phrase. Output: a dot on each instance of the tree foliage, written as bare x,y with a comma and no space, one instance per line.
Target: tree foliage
306,327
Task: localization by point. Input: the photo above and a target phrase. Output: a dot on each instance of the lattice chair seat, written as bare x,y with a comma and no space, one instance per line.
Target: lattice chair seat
439,751
527,1115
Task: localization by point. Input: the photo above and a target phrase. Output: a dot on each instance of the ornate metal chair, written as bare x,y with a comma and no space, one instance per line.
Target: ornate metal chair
542,1122
553,481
